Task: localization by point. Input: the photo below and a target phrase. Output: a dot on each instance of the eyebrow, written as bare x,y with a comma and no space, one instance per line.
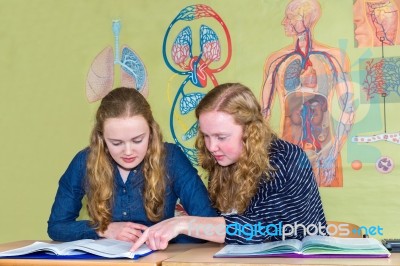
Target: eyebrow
217,134
138,136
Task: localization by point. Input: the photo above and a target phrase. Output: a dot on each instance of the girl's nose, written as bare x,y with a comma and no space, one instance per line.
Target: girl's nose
128,149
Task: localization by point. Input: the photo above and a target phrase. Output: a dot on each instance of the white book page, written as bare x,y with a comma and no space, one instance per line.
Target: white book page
65,248
343,243
37,246
69,248
108,248
111,248
287,246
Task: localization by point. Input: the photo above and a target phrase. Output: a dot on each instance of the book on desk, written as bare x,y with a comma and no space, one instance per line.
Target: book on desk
309,247
79,249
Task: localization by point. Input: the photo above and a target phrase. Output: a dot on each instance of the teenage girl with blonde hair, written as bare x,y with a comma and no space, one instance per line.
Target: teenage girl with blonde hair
131,178
257,181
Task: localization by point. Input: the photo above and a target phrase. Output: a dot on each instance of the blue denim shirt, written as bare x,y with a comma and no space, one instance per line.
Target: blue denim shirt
183,182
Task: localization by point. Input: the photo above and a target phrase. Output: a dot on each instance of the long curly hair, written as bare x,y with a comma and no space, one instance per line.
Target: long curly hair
119,103
232,187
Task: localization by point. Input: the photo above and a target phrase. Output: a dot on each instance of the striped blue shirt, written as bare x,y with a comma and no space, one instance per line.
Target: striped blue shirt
288,206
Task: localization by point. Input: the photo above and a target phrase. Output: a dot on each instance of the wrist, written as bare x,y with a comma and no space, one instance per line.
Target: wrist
183,224
100,234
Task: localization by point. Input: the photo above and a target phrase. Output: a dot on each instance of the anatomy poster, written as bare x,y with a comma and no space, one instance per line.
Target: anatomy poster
308,78
100,79
376,23
195,49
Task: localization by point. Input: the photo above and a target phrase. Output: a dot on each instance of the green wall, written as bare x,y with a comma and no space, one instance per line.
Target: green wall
47,47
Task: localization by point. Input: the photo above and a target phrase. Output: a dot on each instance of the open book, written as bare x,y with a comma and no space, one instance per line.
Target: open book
310,246
107,248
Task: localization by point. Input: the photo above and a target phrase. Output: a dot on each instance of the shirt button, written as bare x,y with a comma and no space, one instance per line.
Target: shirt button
124,213
124,190
134,171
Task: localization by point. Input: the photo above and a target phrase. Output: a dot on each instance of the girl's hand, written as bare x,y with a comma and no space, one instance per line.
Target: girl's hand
158,235
125,231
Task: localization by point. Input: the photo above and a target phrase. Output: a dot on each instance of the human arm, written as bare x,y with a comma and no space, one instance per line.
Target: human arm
345,95
291,197
62,223
125,231
271,82
267,94
158,235
187,184
188,187
303,202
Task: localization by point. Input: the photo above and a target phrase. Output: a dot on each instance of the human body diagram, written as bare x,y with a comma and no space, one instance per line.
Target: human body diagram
307,76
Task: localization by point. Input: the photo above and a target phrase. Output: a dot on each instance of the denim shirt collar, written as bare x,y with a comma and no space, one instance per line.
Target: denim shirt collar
135,175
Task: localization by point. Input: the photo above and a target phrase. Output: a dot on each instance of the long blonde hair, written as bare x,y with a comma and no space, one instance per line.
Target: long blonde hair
123,102
232,187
